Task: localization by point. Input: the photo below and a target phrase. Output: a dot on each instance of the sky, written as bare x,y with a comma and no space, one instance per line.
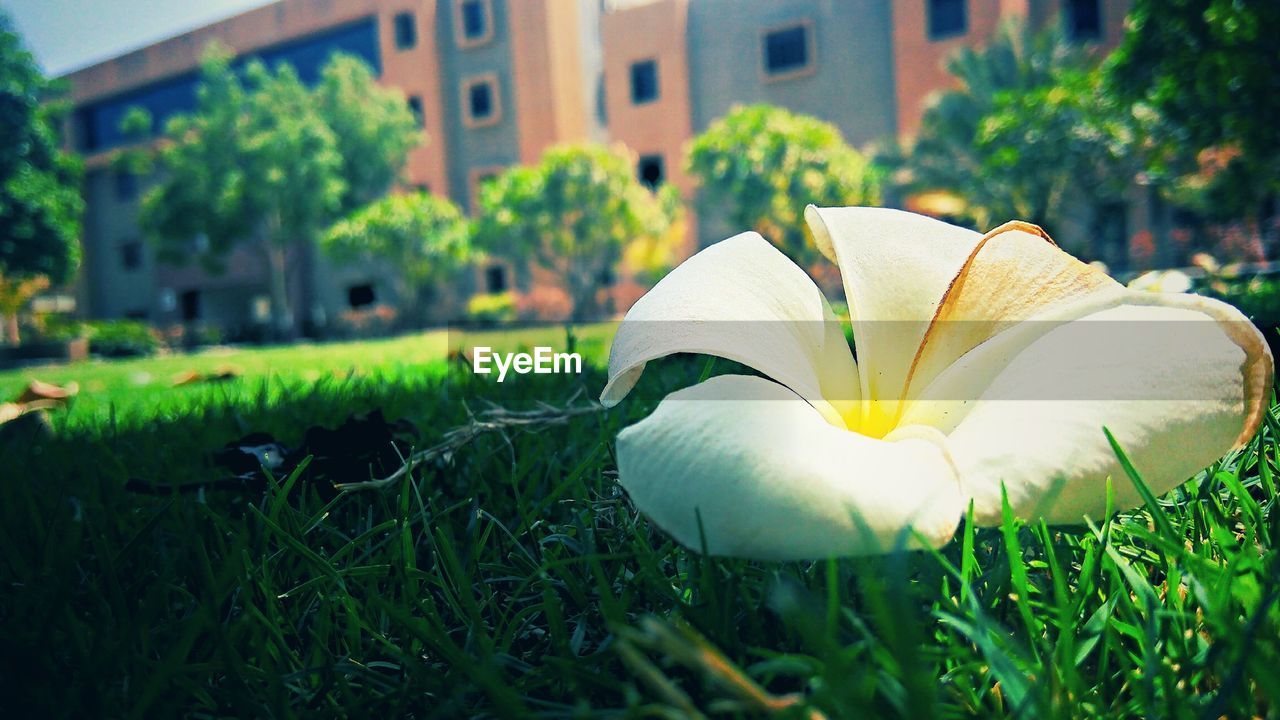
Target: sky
67,35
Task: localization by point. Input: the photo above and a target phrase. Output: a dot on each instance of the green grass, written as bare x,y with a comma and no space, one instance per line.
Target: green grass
513,578
142,389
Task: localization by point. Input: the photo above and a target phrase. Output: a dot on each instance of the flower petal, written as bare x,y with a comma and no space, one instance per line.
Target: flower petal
746,464
896,267
1178,380
1014,273
740,299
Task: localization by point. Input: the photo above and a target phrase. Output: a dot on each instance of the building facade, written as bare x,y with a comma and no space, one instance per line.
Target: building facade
495,82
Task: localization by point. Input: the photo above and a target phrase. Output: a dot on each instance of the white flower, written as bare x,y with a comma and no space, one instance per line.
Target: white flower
983,362
1162,281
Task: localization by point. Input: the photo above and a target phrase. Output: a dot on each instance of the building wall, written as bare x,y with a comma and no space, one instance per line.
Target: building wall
920,60
538,53
474,151
110,289
561,69
851,84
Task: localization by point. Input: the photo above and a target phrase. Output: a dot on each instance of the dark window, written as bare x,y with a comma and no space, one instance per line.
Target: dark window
406,31
475,21
602,113
1084,19
415,107
424,188
480,98
947,18
126,186
190,302
131,255
644,81
136,315
495,278
786,50
650,171
359,296
100,123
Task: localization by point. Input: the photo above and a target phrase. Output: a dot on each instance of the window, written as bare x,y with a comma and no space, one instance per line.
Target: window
602,114
126,186
359,296
481,99
644,82
131,255
788,51
650,171
190,301
495,279
98,124
415,107
480,102
472,22
1083,19
947,18
406,32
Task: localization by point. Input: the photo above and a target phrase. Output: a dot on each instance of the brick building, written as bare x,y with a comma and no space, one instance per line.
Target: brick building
495,82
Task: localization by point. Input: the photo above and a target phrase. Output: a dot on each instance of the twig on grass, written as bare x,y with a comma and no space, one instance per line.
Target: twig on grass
682,644
493,419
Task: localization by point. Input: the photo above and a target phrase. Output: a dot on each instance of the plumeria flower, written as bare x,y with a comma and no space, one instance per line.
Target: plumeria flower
987,367
1162,281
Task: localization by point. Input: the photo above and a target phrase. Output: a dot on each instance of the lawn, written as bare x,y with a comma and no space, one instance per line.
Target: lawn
139,390
505,574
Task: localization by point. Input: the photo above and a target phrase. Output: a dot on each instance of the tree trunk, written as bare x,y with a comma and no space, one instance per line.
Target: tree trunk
11,328
1161,235
282,325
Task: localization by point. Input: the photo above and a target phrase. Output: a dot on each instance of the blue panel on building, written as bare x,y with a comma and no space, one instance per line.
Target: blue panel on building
99,122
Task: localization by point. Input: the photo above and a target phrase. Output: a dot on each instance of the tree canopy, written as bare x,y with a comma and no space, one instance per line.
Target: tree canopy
575,214
1209,68
40,203
267,162
1029,130
424,237
761,165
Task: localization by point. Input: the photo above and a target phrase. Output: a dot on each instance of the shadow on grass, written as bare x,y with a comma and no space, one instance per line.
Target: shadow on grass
509,578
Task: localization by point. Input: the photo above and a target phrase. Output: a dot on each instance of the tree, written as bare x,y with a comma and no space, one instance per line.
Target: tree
265,161
1028,130
425,237
373,127
761,165
575,214
1209,68
40,201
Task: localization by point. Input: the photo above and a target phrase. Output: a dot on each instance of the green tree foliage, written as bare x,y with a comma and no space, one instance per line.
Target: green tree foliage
759,166
576,213
1028,132
424,237
372,126
266,162
1211,69
40,201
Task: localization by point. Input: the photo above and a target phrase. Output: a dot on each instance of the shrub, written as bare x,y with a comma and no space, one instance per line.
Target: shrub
369,322
492,308
121,338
